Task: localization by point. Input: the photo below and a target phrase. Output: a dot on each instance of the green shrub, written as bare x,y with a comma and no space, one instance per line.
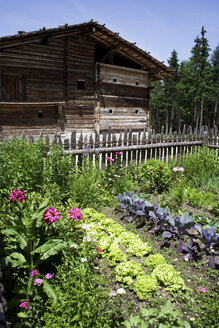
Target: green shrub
154,176
202,166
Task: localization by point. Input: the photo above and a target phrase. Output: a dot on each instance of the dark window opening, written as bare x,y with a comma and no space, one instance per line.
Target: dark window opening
136,112
40,115
110,111
80,85
137,83
114,79
12,87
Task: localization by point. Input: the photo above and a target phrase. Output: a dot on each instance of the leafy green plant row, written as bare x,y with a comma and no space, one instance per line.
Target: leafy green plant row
111,237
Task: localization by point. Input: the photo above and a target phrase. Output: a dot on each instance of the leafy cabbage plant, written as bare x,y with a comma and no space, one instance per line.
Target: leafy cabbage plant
125,271
168,277
153,260
145,286
209,238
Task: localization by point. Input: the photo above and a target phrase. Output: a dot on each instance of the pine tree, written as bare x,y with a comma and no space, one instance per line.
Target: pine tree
215,69
202,75
170,87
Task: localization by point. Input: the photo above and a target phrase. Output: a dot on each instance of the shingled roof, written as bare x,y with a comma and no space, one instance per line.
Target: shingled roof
100,34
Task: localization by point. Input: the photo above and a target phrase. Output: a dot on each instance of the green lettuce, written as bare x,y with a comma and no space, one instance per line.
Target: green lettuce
145,287
168,277
153,260
125,271
115,254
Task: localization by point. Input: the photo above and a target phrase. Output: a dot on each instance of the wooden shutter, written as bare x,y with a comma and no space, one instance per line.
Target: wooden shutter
12,87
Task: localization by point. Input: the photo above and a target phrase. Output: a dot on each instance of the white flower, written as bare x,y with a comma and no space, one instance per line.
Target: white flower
83,259
121,291
87,239
73,245
85,227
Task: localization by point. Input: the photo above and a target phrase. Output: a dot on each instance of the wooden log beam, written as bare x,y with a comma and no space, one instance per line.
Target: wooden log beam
111,50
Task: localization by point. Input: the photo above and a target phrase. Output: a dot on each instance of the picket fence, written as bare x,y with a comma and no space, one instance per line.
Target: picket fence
136,147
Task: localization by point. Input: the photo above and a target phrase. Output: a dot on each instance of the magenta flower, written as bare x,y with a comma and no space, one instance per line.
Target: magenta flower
17,195
151,172
99,250
75,214
38,282
51,215
48,276
24,305
202,290
119,152
33,273
109,159
161,167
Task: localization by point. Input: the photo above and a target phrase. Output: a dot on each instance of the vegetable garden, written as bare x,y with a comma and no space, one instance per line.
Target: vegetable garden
126,246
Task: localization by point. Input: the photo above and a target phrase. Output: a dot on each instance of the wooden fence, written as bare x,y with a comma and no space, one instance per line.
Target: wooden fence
137,147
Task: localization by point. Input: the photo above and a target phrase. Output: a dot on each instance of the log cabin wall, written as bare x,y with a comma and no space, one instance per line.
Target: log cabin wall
123,95
58,70
78,112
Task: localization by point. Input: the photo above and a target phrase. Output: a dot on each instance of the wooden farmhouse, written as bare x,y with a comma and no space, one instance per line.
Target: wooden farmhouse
80,77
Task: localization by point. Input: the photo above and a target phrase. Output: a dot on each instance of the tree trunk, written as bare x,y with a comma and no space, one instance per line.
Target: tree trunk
201,113
215,113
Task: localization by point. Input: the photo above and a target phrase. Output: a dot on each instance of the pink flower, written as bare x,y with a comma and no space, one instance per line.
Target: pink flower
99,250
75,214
51,215
109,159
17,195
112,294
202,290
48,276
119,152
38,282
151,172
181,169
175,169
85,227
33,273
24,305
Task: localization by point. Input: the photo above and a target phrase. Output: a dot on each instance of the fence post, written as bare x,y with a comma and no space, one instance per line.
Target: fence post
205,138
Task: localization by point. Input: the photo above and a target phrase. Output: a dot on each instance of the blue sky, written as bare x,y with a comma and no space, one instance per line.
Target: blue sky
157,26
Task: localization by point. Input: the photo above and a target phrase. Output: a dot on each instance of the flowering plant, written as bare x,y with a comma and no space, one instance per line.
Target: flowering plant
75,214
51,215
17,195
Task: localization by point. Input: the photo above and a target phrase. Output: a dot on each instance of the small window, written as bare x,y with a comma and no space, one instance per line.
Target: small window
80,85
136,112
137,83
40,115
12,87
110,111
114,80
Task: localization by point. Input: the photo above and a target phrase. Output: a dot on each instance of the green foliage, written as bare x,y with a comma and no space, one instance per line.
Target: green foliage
201,166
22,164
153,260
166,316
207,309
154,176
